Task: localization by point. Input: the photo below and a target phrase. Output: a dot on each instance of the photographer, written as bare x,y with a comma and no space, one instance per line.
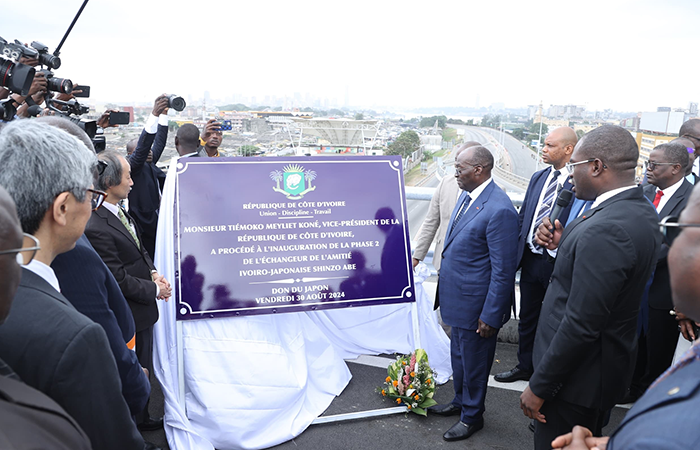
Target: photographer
212,138
143,154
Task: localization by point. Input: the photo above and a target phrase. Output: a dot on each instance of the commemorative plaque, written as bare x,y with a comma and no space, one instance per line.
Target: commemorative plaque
275,235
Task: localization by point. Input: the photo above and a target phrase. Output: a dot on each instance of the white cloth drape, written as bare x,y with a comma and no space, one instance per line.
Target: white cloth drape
256,381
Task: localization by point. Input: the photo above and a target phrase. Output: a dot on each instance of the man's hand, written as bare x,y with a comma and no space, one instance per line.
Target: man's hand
485,330
38,84
213,126
165,290
29,61
580,438
145,371
546,239
160,106
103,121
415,262
531,404
686,327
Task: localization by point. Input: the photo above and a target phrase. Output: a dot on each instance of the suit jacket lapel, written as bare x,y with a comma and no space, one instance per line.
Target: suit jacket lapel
114,222
675,199
475,208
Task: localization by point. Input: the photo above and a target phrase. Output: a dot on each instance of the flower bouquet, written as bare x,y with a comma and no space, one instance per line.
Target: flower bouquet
410,382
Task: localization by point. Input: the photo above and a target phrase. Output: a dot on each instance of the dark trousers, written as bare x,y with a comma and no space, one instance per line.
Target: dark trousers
656,349
472,357
561,418
534,279
144,353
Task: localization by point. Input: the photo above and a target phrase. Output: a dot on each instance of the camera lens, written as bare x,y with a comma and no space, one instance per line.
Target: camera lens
53,62
16,77
62,85
176,102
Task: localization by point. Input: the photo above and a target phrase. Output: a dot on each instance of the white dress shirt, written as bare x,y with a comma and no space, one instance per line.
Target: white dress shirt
45,272
610,194
668,193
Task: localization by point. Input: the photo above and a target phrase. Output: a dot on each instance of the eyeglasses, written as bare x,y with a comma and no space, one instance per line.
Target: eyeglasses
691,136
670,228
652,165
25,255
97,199
570,166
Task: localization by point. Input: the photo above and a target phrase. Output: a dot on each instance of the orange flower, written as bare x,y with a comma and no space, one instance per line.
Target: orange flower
398,400
388,379
410,386
413,374
408,406
396,383
403,362
427,381
415,396
383,392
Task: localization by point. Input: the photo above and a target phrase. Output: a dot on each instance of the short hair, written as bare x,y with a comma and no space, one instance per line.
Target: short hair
613,145
112,175
687,143
482,156
675,153
188,135
38,163
689,127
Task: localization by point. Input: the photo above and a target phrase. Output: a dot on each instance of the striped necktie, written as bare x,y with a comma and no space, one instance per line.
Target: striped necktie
125,222
546,206
463,207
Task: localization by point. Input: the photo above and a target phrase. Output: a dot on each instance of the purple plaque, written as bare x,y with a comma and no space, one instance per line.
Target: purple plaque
274,235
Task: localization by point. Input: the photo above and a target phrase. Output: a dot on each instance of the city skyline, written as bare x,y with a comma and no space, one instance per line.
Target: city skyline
623,55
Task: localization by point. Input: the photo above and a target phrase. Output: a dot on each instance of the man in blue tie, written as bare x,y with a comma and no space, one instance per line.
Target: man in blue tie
476,282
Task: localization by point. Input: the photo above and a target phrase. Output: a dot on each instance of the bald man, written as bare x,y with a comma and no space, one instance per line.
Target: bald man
536,267
441,206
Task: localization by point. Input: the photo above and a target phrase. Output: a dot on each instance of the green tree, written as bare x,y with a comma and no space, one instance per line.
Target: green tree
407,143
427,122
359,116
172,125
248,150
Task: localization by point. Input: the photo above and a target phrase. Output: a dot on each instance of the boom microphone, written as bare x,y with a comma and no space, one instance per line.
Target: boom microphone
564,200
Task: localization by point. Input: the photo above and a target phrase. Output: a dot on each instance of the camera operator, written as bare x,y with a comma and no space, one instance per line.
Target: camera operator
143,154
212,138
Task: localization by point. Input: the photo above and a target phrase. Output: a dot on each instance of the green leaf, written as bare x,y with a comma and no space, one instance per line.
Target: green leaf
419,411
421,355
427,403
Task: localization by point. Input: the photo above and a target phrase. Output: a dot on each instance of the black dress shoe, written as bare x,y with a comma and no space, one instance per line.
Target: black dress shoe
462,430
445,410
150,446
514,374
150,424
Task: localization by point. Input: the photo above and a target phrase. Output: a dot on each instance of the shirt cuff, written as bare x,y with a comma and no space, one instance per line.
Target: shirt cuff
552,253
151,124
163,120
157,289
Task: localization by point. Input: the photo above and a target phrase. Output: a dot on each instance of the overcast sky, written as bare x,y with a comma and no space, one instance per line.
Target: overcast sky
629,55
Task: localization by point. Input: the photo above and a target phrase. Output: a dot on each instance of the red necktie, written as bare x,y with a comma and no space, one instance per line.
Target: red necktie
657,199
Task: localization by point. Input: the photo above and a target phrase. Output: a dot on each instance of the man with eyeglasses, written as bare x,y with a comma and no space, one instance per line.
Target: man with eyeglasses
669,191
46,341
30,418
118,241
586,336
540,197
476,286
665,417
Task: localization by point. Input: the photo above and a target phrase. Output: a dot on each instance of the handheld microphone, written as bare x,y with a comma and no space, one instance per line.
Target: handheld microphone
564,200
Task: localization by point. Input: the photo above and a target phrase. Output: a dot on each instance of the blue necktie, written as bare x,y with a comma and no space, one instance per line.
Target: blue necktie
463,207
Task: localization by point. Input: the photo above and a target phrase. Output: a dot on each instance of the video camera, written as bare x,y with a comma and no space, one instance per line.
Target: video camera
15,76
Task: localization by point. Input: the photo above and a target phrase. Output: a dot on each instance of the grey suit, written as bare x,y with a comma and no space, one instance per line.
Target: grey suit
65,355
441,206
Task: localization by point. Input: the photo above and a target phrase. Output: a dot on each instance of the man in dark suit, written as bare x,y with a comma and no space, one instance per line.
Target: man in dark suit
538,203
30,419
187,141
691,131
117,240
477,278
144,153
50,345
586,336
666,415
669,191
